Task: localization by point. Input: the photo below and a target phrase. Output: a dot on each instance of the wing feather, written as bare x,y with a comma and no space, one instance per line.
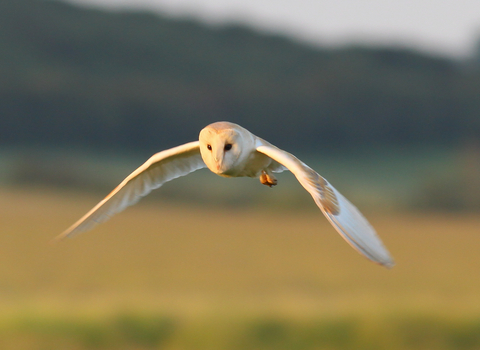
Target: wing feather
343,215
158,169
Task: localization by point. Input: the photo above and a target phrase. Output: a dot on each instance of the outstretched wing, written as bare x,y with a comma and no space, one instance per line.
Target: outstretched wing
160,168
343,215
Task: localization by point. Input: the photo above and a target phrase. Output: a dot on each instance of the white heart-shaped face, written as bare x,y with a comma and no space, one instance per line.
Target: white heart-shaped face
221,147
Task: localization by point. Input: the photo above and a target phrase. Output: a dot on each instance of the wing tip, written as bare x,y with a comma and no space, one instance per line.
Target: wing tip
381,257
68,233
59,238
388,264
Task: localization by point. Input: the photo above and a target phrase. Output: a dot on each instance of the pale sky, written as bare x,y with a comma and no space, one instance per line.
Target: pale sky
446,27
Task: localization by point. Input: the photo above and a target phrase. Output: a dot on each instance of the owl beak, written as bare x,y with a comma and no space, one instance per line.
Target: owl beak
218,163
218,158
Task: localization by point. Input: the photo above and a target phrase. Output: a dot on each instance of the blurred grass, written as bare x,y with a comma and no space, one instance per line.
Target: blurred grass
171,276
160,332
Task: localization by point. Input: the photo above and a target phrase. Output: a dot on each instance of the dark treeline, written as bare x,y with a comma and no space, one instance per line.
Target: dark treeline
71,76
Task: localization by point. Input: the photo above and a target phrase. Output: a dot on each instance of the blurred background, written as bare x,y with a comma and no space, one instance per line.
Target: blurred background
381,98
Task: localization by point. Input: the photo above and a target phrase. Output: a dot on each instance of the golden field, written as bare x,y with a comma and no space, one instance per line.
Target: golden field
174,276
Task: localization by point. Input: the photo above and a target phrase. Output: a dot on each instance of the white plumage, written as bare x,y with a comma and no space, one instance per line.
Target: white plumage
229,150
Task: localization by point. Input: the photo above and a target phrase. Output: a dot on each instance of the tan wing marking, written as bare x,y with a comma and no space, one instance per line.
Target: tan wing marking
328,198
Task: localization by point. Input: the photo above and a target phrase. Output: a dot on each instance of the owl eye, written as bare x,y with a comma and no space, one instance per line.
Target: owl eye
228,147
209,147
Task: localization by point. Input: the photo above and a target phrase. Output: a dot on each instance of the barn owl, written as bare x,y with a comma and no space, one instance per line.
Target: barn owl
229,150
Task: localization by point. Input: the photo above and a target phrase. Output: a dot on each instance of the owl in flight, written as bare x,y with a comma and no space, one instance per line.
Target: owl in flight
229,150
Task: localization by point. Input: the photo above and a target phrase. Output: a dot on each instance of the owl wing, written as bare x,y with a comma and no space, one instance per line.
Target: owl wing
158,169
343,215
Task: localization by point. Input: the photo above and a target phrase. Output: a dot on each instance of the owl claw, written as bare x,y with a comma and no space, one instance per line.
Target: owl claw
267,178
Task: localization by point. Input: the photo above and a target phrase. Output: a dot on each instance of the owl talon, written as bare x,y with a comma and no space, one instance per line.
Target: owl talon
268,179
